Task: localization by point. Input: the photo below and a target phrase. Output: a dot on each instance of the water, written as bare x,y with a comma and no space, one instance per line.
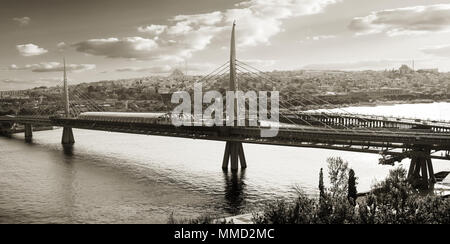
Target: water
124,178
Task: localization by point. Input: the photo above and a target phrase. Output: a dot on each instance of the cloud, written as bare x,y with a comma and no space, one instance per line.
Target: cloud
199,67
62,46
11,81
18,84
148,49
321,37
153,29
152,69
164,69
259,62
53,67
404,21
22,20
30,49
128,47
183,24
358,65
441,50
15,84
258,21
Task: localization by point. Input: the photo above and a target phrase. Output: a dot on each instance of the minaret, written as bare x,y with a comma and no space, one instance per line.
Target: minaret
66,92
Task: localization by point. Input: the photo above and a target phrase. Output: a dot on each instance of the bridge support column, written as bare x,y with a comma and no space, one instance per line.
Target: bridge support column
421,173
234,152
67,137
28,133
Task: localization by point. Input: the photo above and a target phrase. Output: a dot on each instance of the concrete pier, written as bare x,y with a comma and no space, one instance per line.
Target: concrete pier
242,156
234,152
421,172
67,137
28,133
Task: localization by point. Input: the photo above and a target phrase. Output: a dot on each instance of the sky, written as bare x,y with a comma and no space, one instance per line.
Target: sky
115,39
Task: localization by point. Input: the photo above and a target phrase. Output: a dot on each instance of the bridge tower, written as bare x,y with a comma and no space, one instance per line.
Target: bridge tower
67,136
234,151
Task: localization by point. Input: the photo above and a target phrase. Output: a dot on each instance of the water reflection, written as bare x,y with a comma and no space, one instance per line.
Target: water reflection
68,150
66,189
235,190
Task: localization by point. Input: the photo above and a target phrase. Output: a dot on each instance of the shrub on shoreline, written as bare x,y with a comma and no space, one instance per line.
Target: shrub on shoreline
392,201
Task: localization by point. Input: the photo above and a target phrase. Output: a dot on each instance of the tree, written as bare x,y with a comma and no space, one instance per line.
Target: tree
321,186
338,174
352,191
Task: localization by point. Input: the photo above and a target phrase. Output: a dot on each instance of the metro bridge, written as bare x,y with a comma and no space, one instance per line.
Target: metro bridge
393,138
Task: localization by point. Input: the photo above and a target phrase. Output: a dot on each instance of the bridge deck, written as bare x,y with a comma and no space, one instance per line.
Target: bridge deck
363,139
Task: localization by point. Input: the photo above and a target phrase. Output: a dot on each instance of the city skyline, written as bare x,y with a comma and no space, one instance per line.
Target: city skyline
123,39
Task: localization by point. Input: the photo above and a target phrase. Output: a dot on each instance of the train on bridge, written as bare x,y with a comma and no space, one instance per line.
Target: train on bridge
150,118
158,118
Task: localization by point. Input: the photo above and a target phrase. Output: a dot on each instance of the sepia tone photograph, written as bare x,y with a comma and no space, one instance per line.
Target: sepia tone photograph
224,112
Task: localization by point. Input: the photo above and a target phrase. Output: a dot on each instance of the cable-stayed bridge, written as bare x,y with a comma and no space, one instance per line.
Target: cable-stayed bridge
394,138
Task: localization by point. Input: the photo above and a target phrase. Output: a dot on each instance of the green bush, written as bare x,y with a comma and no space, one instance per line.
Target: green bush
392,201
204,219
301,211
352,191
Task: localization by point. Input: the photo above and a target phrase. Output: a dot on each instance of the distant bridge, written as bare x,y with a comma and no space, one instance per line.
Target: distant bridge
393,138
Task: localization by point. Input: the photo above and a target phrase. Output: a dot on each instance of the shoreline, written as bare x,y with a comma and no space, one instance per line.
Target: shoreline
375,103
